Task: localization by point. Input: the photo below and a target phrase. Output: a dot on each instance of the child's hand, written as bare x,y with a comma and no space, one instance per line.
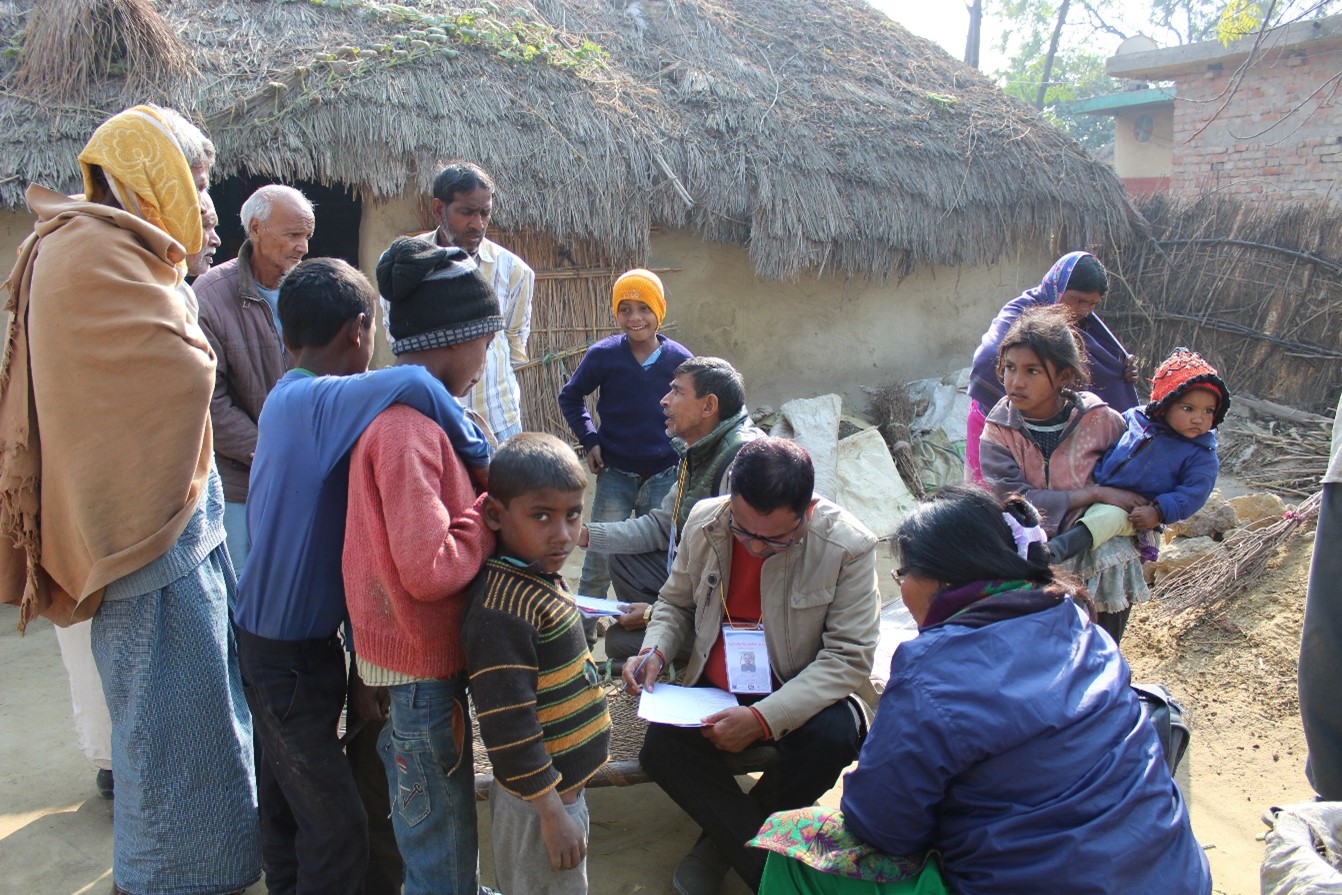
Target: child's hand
564,839
479,478
1144,518
594,461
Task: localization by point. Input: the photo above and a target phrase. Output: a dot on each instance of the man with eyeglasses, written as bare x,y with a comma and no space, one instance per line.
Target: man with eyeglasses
788,579
707,421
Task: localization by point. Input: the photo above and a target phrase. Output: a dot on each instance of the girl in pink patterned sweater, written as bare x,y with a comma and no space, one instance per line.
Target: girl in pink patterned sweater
1043,440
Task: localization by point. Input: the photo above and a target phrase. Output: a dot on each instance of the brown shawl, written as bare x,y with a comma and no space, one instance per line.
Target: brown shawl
105,440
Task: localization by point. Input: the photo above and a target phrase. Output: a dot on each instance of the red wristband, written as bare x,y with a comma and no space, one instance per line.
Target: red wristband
764,725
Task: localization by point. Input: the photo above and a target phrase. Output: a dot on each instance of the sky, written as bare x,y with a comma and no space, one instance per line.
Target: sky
946,22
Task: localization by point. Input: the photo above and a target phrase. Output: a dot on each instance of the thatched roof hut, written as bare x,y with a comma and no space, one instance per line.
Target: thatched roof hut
820,136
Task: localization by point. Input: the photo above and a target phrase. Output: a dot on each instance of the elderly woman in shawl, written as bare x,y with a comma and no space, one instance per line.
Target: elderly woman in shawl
1077,281
111,507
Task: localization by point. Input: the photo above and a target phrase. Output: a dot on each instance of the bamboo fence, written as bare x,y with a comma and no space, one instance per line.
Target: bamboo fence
1256,288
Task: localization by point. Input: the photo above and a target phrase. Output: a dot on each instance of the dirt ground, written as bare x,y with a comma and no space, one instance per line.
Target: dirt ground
1234,668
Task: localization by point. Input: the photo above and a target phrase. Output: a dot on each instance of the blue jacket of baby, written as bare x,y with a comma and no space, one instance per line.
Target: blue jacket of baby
1176,473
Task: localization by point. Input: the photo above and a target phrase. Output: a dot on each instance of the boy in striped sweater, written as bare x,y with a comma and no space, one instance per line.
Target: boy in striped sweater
537,698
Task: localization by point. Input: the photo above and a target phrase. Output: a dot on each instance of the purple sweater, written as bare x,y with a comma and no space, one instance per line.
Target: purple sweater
633,430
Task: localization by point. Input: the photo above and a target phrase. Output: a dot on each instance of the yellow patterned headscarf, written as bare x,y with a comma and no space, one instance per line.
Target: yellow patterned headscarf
147,173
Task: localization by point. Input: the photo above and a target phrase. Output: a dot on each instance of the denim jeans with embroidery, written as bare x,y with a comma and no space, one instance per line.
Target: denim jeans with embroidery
431,779
618,496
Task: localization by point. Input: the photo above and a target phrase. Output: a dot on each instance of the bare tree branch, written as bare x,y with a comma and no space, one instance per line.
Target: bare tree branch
1237,78
1052,54
1101,24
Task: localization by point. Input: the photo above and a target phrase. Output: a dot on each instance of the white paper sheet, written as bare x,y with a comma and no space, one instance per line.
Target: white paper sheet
594,606
682,706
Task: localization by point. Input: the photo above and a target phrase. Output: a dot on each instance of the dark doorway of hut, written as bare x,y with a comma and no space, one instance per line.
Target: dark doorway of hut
338,212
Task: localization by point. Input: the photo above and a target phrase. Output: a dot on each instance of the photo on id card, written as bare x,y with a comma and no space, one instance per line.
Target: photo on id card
747,660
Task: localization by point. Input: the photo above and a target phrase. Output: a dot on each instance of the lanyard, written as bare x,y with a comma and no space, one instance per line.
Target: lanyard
680,497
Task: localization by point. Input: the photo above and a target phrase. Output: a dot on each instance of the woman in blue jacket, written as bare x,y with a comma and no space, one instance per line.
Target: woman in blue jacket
1008,739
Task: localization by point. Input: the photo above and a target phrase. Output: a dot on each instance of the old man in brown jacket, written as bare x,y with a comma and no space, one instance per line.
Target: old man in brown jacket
238,301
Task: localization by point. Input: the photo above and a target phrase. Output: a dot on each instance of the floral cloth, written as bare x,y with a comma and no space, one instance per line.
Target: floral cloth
817,838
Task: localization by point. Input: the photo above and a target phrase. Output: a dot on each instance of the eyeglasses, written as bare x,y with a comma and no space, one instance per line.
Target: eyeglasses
776,543
898,574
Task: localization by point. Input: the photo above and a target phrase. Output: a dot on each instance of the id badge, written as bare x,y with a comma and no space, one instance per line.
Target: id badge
747,657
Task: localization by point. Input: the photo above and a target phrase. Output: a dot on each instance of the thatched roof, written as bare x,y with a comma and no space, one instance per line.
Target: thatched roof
820,134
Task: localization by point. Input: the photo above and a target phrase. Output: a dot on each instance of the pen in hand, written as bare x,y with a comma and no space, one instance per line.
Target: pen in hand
633,682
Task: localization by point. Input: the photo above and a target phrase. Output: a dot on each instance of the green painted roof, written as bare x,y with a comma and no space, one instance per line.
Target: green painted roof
1110,103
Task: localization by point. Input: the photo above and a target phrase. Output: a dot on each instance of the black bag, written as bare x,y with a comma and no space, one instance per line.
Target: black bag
1167,716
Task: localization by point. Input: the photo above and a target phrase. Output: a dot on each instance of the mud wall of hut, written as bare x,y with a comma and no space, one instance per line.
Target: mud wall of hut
799,339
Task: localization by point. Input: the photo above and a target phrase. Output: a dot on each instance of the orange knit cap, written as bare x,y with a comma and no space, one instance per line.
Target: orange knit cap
1182,371
640,285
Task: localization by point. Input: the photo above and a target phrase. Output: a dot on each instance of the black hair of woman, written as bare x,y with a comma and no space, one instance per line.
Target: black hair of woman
1088,275
958,535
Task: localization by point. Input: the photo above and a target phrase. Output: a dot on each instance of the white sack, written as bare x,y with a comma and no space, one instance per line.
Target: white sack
1302,851
869,484
814,424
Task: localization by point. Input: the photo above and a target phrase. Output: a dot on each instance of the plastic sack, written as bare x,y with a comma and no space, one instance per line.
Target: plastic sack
869,484
1303,852
814,424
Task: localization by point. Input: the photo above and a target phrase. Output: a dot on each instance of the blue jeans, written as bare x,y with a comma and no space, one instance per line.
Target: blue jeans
426,748
619,495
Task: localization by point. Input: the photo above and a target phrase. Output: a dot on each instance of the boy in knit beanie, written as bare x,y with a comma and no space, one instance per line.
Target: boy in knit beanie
1167,456
630,452
414,539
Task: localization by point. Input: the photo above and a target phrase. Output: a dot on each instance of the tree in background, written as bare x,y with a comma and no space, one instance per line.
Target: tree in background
1243,18
1051,63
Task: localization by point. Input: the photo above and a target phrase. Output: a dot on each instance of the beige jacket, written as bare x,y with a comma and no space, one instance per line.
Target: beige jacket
819,601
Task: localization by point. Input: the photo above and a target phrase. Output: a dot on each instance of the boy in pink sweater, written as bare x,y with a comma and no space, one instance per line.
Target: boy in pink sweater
414,540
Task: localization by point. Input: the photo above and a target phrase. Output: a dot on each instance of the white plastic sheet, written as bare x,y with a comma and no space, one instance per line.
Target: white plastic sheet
814,424
938,433
869,484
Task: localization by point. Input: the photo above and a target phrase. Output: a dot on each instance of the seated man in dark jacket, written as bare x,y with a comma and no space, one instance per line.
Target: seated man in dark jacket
707,420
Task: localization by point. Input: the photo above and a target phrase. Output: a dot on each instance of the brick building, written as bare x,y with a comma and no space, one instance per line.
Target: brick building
1239,120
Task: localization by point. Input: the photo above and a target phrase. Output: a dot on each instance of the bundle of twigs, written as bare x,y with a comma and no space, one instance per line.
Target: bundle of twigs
891,409
1275,448
1235,564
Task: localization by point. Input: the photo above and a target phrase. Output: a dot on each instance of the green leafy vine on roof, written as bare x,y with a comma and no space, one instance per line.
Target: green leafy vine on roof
516,38
15,45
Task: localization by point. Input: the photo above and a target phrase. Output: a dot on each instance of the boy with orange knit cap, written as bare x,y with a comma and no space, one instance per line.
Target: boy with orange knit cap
1167,456
630,452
